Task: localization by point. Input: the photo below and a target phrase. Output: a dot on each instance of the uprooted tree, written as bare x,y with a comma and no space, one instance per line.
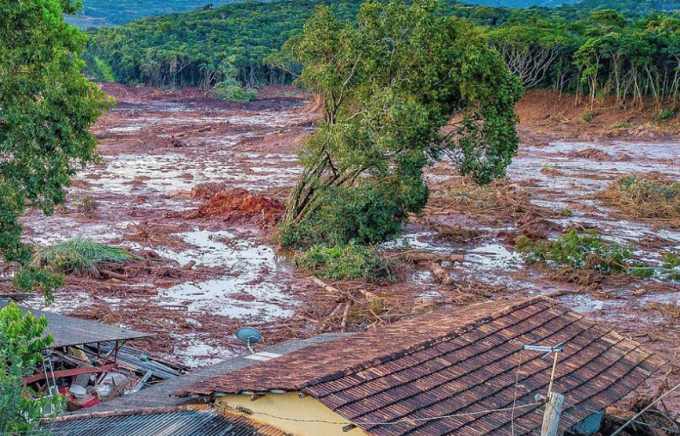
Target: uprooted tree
46,109
390,86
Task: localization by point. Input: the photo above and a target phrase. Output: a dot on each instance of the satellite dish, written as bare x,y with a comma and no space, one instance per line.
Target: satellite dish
249,336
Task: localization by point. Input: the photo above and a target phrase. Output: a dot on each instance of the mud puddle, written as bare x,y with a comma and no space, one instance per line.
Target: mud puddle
235,277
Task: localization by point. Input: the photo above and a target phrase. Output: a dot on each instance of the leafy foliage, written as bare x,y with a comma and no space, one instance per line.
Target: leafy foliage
577,250
80,256
671,265
21,341
594,47
344,262
46,109
389,83
228,88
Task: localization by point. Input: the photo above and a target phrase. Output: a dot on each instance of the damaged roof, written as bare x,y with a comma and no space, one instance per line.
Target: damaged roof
179,422
69,331
457,361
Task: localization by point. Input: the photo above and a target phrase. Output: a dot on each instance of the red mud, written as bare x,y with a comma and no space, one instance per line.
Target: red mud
240,204
238,161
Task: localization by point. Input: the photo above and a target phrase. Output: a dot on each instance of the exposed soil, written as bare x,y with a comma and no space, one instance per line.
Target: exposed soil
239,205
199,183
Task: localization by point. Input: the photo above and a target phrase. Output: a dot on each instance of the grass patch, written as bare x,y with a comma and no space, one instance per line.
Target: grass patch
344,262
80,256
671,265
622,125
644,197
582,251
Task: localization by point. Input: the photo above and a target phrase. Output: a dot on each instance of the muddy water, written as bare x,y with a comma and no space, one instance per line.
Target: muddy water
143,179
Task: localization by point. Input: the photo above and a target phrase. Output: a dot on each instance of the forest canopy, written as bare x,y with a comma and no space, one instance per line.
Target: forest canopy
46,109
572,49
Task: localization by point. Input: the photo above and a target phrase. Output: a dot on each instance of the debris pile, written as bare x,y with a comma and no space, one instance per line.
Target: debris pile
240,204
645,197
593,154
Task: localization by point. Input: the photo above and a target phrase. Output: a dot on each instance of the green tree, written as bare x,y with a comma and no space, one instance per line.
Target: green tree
22,338
228,88
46,109
390,84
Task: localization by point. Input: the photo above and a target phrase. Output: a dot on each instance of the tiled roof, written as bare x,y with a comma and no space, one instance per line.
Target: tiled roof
68,331
186,422
457,361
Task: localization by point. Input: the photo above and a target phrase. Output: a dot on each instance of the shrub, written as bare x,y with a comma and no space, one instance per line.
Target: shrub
86,205
665,115
642,270
231,90
363,215
671,265
588,116
577,250
80,256
344,262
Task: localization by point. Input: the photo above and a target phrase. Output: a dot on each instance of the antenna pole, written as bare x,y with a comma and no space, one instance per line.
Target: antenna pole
554,403
552,374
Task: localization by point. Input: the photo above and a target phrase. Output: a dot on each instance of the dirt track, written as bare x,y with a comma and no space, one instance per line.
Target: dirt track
221,272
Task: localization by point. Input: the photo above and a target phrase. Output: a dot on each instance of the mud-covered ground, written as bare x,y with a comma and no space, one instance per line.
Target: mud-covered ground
166,153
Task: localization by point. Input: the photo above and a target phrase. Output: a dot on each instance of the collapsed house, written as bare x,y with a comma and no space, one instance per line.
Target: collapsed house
86,361
459,371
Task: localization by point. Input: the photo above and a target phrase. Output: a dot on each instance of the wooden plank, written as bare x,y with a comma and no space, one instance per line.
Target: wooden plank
71,373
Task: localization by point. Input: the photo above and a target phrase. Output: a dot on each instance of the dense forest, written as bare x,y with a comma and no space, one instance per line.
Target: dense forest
106,13
570,49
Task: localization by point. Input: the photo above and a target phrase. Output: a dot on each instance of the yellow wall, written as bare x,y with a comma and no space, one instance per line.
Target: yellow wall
289,405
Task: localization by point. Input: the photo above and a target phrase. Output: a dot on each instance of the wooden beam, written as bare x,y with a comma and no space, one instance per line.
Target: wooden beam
71,373
553,412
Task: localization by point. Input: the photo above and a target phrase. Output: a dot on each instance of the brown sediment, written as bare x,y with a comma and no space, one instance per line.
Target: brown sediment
240,204
235,169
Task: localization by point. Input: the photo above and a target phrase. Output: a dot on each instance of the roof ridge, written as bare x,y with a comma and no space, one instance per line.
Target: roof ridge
457,330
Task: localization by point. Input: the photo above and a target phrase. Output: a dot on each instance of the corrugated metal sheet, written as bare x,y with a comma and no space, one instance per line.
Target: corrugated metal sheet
457,361
68,331
173,423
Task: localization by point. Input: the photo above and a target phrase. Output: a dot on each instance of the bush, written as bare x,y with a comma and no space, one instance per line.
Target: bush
344,262
665,115
345,215
588,116
80,256
577,250
671,265
231,90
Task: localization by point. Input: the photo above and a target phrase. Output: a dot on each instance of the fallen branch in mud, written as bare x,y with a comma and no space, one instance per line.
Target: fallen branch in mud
357,309
441,276
650,197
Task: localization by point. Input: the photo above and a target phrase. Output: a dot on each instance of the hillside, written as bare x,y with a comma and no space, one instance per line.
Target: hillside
105,13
